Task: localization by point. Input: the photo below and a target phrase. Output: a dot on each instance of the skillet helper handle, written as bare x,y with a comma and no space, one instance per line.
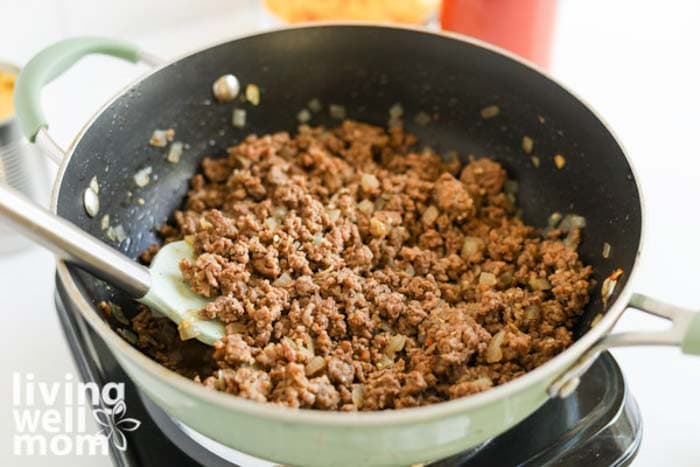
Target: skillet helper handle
72,244
691,340
49,64
683,333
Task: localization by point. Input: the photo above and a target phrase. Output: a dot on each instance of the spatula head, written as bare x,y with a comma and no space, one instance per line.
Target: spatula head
171,296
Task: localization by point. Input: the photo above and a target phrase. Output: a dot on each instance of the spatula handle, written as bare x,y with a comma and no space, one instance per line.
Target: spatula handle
72,244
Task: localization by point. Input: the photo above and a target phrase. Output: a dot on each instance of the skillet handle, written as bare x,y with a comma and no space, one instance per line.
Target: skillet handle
50,63
683,333
72,244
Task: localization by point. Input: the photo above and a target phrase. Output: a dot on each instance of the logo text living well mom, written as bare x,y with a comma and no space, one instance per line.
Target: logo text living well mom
50,417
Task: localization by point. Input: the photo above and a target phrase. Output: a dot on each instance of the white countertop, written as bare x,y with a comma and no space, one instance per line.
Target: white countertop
635,62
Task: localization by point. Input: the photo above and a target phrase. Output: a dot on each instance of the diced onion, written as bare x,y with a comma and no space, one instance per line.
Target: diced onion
279,212
158,139
119,233
607,249
540,283
161,138
333,214
272,223
395,111
494,353
394,217
572,240
528,145
483,381
369,182
571,222
396,344
116,233
337,111
471,246
358,395
430,215
309,344
304,115
608,287
554,220
490,112
315,365
486,278
377,228
238,118
175,152
104,222
143,176
252,94
384,361
315,105
532,313
283,280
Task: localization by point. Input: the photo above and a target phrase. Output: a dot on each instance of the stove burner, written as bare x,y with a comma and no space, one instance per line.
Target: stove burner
598,425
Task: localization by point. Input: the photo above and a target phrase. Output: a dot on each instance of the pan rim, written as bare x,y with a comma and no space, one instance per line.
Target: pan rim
548,370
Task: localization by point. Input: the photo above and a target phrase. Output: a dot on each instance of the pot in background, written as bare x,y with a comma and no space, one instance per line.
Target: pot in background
22,166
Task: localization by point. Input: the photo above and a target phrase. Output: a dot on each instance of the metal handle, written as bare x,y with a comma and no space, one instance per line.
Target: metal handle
684,333
72,244
50,63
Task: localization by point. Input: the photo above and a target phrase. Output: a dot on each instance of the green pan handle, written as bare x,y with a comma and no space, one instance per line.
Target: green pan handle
691,340
50,63
683,333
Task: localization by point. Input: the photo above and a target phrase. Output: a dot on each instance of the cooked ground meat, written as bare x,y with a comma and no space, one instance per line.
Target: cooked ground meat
356,273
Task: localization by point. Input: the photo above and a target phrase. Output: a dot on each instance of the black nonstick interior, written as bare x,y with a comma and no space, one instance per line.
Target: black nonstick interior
367,70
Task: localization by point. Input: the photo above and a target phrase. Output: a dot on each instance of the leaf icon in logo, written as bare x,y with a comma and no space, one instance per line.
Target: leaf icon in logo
115,423
102,417
118,410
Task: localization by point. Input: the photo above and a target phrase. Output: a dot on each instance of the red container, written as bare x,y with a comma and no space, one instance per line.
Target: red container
522,26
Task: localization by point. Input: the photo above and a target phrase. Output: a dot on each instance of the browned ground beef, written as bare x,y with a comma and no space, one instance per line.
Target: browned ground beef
356,273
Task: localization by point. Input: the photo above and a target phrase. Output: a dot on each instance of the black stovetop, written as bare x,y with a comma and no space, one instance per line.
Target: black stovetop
598,425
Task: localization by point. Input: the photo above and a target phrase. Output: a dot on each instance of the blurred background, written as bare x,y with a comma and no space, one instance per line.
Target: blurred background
634,61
